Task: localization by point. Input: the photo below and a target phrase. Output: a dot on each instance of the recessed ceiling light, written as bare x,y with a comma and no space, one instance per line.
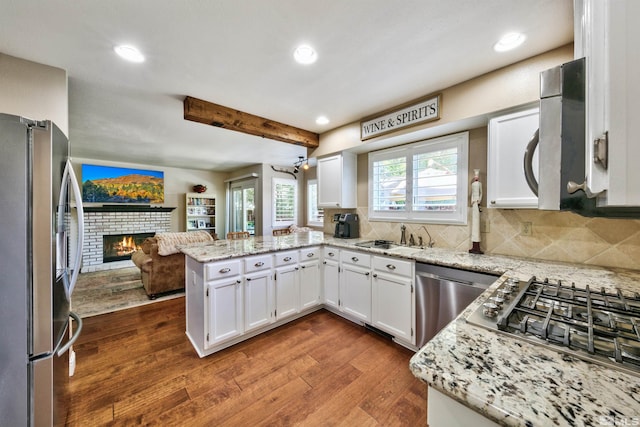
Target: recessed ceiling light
509,41
322,120
129,53
304,54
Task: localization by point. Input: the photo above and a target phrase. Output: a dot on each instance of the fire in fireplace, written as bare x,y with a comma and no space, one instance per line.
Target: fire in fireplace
119,247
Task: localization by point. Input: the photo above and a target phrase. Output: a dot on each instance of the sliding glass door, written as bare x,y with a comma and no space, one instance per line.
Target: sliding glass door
242,206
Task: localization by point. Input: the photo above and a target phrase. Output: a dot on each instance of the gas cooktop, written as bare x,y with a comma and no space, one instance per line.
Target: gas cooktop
594,325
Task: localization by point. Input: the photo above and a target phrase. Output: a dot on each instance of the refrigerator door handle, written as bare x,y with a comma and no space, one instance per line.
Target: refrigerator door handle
80,214
75,336
70,176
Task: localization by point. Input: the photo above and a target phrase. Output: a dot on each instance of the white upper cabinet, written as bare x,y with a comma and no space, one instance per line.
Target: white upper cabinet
337,181
508,137
607,35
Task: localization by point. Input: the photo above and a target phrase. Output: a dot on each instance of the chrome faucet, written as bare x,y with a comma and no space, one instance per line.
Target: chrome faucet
403,234
431,241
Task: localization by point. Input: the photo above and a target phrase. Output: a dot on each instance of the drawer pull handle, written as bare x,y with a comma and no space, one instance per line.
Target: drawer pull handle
331,254
259,264
248,279
310,254
375,275
367,273
287,259
225,270
354,259
391,266
238,282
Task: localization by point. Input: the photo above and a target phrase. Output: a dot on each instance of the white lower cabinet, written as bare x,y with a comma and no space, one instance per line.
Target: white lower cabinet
287,284
224,309
310,291
258,300
393,302
355,292
355,285
331,277
287,291
233,300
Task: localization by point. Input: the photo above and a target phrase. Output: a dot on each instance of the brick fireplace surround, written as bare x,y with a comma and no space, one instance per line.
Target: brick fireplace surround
113,219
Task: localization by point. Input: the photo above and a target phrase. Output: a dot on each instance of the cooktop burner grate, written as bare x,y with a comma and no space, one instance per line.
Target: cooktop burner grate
596,325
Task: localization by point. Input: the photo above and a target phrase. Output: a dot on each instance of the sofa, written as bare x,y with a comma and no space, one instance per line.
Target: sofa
160,262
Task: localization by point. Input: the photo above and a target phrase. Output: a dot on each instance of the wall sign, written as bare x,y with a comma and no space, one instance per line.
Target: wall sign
425,110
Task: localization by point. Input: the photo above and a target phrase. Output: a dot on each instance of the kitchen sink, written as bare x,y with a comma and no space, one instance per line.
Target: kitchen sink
377,244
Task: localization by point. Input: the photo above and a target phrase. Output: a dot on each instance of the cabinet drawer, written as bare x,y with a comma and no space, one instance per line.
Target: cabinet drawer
356,258
331,253
393,265
220,270
307,254
257,263
286,258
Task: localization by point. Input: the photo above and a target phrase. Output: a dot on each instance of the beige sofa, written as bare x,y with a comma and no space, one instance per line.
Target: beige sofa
161,264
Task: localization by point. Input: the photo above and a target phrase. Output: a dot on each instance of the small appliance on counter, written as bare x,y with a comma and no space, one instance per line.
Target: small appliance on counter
347,226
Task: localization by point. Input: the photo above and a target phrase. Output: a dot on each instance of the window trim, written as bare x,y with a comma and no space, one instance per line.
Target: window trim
309,221
275,223
459,217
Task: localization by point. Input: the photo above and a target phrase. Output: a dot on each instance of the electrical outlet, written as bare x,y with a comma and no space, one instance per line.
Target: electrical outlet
526,229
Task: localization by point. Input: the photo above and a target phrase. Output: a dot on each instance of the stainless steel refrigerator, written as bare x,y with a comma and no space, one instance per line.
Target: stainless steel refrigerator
37,271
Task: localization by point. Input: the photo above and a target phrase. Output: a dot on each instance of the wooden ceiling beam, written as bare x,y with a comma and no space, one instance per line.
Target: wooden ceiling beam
216,115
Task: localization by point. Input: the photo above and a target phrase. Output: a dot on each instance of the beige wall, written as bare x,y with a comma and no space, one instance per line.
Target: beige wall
556,236
464,106
34,91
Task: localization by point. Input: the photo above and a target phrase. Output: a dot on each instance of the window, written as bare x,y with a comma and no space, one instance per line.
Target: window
285,202
315,215
423,182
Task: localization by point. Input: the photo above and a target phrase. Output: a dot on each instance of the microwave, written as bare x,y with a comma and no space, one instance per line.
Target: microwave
561,144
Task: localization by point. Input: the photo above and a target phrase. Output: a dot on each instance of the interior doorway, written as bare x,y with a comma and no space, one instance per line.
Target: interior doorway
242,209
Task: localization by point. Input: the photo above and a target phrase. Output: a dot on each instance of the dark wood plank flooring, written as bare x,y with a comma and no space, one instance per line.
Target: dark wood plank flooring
136,367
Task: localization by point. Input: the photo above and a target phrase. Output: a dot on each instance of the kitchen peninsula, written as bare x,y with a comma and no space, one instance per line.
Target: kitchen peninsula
507,380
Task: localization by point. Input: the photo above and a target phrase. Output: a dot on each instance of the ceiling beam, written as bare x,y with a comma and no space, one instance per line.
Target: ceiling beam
216,115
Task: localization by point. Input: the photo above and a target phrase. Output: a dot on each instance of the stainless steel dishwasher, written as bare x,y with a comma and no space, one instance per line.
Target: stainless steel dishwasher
441,294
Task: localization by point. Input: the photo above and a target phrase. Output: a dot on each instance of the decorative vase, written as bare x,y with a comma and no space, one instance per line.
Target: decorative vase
199,188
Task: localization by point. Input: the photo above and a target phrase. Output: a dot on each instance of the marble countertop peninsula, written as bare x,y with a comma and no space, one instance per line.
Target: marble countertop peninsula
504,378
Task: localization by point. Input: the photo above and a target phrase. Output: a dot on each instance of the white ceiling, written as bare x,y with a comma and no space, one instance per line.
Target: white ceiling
372,55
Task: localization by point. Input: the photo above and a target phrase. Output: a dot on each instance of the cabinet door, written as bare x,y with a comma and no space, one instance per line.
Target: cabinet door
606,34
224,312
392,308
337,181
508,139
355,292
258,300
331,282
309,284
330,182
287,292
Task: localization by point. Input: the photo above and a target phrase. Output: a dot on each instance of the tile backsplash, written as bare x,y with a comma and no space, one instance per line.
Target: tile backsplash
554,236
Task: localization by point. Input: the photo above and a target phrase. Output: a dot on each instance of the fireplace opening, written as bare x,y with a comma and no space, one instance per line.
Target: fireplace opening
119,247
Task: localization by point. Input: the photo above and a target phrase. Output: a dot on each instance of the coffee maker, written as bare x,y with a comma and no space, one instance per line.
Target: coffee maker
347,226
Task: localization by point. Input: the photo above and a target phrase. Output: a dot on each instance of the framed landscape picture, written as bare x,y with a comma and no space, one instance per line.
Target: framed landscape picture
108,184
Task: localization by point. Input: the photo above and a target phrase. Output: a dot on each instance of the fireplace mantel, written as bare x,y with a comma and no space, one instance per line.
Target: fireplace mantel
128,208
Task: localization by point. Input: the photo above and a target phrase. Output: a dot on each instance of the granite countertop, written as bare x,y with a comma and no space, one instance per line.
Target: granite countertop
506,379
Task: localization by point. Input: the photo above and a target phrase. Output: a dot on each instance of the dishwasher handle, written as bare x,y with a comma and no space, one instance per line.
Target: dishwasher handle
449,279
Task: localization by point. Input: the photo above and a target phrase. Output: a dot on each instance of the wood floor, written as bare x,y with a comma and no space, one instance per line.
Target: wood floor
136,367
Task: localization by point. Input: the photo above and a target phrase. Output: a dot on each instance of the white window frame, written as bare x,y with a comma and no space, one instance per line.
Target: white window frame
459,216
283,181
312,204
